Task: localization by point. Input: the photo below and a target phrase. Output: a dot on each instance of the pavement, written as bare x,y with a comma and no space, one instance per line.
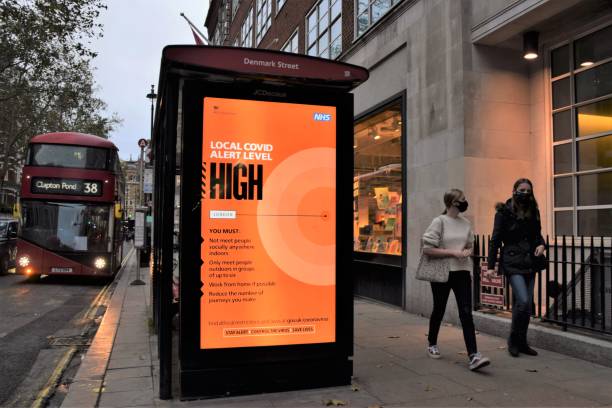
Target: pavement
391,368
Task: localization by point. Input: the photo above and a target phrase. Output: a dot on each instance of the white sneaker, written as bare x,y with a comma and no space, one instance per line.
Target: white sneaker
433,351
477,361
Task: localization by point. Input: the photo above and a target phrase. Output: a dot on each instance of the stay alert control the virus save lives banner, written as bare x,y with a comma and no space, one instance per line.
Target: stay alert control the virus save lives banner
268,224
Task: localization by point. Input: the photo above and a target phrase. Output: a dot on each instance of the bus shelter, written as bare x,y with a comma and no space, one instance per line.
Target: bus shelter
252,234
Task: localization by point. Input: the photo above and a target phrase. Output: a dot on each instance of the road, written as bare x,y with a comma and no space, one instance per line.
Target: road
39,321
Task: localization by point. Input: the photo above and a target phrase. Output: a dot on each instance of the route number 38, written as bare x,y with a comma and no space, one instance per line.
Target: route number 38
90,188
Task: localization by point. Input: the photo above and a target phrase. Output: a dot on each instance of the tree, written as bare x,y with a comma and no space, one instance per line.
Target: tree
46,80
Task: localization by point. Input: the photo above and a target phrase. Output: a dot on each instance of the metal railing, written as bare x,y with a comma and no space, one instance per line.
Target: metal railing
575,289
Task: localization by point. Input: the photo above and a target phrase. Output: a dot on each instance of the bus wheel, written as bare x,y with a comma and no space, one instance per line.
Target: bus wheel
4,265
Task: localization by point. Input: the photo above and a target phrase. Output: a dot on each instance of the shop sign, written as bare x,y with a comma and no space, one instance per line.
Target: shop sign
268,224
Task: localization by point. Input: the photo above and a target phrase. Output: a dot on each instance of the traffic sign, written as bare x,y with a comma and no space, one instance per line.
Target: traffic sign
142,143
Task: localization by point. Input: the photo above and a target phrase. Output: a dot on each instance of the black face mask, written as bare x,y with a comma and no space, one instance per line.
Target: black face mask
462,206
522,197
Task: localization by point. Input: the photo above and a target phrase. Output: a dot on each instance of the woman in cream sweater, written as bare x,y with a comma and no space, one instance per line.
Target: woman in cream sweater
450,235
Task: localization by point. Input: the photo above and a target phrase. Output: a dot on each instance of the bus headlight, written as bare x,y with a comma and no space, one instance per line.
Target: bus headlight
100,263
24,261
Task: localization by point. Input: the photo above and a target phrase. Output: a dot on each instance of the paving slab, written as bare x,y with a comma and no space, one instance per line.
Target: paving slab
122,373
128,384
133,398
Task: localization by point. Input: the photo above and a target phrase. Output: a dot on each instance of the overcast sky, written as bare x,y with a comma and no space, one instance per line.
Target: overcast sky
135,32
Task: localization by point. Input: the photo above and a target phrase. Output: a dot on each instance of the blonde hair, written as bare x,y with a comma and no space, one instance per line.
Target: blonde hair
451,196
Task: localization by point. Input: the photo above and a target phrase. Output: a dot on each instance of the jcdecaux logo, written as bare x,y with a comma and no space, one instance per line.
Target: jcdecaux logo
322,117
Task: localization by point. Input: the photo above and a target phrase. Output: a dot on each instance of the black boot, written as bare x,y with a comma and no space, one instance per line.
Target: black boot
513,348
525,349
523,346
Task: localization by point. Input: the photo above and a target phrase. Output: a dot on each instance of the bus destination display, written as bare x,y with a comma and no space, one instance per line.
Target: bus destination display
268,224
66,186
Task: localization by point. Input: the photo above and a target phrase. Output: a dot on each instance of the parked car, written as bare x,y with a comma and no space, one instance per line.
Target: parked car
8,243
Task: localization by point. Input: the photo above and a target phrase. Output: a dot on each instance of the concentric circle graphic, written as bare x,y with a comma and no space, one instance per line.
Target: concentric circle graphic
297,220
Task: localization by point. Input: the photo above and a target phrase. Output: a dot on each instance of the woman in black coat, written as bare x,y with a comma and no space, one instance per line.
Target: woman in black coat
517,226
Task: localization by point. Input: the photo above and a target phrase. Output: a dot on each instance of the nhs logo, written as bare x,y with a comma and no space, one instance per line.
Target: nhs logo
322,117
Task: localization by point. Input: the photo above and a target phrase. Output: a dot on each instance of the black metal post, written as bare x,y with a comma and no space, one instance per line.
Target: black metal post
573,268
169,160
582,282
154,279
564,284
592,280
602,283
556,280
476,270
550,257
610,271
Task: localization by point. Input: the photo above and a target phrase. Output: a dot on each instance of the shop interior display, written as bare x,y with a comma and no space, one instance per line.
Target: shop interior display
377,186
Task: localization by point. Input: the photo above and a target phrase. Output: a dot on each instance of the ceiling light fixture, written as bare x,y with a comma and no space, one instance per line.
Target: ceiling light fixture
530,45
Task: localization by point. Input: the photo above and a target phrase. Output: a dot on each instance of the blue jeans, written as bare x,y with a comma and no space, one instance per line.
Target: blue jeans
522,299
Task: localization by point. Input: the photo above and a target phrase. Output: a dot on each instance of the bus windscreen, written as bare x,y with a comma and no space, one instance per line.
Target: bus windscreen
66,227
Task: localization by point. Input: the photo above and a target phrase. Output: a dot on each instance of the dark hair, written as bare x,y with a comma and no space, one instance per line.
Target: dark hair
450,197
531,210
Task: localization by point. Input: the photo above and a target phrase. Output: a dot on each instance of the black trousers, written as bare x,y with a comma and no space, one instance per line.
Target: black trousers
461,284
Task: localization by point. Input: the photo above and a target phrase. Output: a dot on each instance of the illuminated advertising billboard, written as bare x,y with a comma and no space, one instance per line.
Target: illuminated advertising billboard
268,226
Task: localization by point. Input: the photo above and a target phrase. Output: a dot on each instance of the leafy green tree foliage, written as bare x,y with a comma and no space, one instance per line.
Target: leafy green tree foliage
46,80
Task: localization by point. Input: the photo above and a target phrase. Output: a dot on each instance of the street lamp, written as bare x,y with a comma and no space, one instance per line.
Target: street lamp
152,96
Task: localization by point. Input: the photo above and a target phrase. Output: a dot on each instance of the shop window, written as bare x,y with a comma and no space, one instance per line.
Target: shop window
595,189
560,61
562,125
594,82
561,93
563,191
594,118
593,48
563,158
595,222
582,135
595,154
563,223
378,184
324,29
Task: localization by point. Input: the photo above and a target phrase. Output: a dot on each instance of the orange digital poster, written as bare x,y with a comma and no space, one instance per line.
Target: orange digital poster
268,224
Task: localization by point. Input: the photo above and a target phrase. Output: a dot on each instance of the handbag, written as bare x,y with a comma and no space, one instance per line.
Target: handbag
433,269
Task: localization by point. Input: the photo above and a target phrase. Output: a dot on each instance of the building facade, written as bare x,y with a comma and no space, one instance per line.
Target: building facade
131,170
454,100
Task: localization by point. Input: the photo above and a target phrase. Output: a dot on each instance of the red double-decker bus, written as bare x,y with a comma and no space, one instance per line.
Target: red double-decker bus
71,198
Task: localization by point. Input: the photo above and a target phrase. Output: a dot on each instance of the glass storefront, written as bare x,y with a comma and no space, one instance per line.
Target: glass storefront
377,187
581,87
